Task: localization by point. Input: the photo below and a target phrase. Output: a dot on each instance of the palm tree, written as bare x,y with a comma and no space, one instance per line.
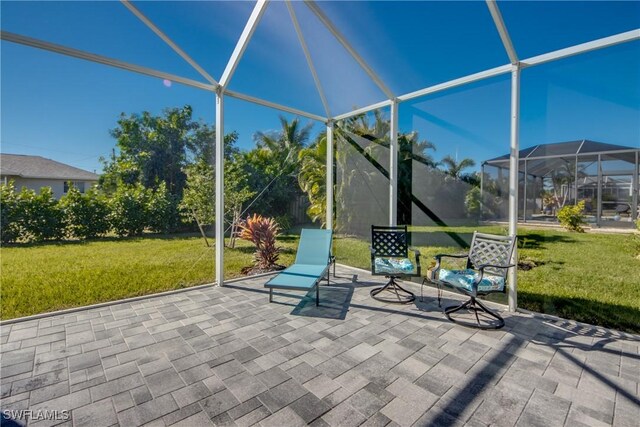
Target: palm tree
454,168
418,148
286,143
312,177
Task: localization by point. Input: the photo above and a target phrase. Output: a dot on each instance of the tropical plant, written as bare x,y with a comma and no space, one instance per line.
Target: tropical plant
412,147
571,217
262,232
86,215
313,178
454,168
286,143
273,166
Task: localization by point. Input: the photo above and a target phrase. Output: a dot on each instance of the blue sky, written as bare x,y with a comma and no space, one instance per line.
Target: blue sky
63,108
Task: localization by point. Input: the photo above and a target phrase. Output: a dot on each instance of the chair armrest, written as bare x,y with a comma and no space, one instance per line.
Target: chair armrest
483,266
438,256
417,254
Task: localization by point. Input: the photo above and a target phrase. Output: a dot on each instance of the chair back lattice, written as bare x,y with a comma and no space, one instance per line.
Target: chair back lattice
491,249
389,241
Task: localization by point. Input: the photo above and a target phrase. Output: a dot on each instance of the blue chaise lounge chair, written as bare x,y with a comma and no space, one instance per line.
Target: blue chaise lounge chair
312,263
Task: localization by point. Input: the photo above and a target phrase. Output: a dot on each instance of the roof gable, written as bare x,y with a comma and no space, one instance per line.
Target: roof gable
26,166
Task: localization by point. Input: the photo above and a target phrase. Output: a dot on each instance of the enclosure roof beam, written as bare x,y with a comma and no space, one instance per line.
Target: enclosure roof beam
563,156
340,37
582,48
92,57
270,104
307,55
502,30
243,42
504,69
168,41
363,110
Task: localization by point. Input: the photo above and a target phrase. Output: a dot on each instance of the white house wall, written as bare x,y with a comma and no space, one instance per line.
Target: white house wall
57,185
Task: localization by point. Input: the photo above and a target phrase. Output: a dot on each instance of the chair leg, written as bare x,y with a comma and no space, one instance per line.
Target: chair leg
270,294
402,295
477,307
318,295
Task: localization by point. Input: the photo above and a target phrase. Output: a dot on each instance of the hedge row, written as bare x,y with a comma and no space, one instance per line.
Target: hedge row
27,216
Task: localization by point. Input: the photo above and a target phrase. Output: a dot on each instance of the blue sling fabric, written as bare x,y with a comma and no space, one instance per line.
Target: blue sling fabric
311,264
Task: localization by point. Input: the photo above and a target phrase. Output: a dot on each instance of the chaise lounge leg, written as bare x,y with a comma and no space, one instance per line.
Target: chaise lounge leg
270,294
317,295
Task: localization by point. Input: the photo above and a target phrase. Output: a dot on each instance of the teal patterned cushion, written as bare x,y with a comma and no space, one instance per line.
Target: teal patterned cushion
393,265
465,279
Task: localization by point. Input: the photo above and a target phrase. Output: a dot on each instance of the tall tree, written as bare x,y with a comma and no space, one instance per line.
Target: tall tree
156,148
454,168
275,165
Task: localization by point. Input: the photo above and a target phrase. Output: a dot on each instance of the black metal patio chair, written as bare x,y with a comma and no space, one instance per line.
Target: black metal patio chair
488,263
390,258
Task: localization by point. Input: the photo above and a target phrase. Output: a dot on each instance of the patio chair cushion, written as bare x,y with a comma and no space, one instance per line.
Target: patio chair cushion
466,278
394,265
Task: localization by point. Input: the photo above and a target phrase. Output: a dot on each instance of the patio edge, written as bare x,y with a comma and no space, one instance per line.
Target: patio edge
125,300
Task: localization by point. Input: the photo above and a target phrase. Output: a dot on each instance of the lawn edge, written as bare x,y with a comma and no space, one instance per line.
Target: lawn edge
126,300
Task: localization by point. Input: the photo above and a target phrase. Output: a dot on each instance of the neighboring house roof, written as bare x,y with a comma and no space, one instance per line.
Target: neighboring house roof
25,166
569,148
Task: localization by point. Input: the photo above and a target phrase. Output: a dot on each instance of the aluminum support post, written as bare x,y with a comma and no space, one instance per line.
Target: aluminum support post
219,150
513,182
329,183
393,166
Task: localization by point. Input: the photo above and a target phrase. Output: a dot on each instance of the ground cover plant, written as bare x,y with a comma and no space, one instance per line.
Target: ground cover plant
587,277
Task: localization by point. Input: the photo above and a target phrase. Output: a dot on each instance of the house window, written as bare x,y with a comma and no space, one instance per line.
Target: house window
77,184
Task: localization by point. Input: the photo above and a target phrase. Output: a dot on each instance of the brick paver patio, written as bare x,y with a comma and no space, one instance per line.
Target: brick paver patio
226,356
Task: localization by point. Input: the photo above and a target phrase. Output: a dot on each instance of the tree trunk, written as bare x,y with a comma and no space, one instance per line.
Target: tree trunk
204,236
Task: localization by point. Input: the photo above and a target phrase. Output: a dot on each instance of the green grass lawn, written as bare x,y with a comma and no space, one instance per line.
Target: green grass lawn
587,277
54,276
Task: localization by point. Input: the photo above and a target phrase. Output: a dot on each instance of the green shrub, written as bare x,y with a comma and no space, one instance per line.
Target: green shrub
162,210
42,217
86,215
472,202
284,222
571,217
10,213
128,209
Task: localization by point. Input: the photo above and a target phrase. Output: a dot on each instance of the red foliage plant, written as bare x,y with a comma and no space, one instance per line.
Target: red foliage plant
262,232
